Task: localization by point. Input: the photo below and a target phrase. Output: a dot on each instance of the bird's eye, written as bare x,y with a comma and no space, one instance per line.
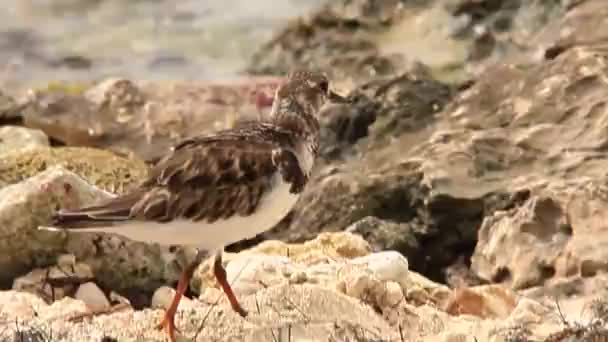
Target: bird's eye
324,86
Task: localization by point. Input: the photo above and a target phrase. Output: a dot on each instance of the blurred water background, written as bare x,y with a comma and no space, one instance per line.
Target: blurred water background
72,40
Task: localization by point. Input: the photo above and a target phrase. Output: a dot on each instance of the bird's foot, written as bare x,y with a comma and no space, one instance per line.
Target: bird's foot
168,325
168,322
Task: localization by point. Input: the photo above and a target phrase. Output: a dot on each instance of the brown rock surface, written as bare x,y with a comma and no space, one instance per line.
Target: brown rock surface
117,263
505,174
491,301
362,39
143,118
494,146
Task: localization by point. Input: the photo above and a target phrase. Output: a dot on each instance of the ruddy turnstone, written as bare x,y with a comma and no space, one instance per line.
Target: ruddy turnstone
214,190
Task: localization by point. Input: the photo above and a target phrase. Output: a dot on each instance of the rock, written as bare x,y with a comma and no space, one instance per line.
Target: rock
56,282
250,274
320,248
366,278
552,232
272,260
304,312
328,261
72,62
566,288
15,138
490,146
382,109
531,256
27,205
421,291
573,29
327,40
103,169
344,190
23,305
324,247
386,266
367,309
117,263
118,114
333,201
65,308
491,301
459,275
164,295
9,108
93,297
385,235
343,125
363,39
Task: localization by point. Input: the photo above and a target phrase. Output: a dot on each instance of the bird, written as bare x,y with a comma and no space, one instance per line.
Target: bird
215,189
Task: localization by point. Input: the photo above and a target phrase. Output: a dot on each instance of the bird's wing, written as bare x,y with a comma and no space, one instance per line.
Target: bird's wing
205,178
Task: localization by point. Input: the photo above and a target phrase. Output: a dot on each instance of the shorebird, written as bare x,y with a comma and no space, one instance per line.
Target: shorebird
213,190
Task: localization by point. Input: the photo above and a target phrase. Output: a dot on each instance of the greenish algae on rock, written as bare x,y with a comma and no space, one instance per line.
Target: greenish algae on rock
103,169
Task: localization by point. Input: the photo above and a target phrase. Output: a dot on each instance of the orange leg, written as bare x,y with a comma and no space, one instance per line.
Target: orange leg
168,322
220,275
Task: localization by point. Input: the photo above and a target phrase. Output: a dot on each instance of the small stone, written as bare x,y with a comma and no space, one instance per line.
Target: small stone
92,295
392,295
116,298
16,138
164,295
298,277
528,312
251,273
66,260
55,282
211,295
387,266
360,286
486,301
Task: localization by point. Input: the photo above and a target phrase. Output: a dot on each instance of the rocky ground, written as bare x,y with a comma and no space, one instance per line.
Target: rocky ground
457,199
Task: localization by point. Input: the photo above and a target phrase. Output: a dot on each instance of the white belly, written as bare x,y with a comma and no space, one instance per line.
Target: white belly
272,208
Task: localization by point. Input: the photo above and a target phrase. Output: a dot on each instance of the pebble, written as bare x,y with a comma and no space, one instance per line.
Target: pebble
16,138
387,266
164,295
92,295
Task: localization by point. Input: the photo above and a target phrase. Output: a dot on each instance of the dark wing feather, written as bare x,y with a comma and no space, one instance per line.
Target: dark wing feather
203,179
208,179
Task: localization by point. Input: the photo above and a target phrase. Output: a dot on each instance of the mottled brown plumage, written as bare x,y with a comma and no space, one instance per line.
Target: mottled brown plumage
226,186
215,177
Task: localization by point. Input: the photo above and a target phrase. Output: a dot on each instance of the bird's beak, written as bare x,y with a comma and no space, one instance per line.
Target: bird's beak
333,97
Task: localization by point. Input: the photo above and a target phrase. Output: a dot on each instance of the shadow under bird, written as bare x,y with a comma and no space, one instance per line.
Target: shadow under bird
213,190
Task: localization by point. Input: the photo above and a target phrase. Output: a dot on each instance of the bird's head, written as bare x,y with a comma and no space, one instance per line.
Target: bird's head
304,92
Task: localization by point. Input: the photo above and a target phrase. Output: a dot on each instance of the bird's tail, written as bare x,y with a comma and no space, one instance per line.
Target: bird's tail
107,213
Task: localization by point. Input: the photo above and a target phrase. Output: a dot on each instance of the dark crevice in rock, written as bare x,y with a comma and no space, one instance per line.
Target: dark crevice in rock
554,51
451,226
503,274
